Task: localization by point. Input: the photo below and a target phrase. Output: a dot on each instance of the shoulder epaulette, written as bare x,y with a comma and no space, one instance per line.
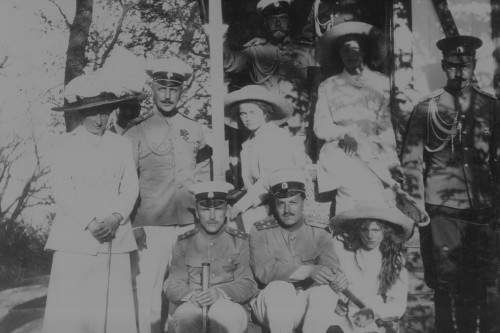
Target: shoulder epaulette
237,233
433,94
316,224
188,234
482,92
267,223
186,116
140,119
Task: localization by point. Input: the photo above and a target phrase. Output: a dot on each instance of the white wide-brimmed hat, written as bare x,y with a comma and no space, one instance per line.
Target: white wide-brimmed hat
91,90
328,43
402,224
282,109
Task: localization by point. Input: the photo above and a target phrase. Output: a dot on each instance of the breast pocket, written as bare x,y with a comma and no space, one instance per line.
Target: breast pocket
228,266
194,269
308,258
281,255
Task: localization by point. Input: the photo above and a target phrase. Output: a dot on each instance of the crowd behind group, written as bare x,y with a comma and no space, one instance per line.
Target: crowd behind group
142,230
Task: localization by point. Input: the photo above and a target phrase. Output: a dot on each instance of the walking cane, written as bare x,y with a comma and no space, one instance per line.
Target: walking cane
108,273
205,282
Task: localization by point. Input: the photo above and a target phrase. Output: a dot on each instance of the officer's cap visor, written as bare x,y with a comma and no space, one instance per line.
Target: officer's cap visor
211,203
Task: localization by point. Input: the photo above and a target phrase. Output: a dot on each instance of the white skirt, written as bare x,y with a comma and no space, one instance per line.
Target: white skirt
76,300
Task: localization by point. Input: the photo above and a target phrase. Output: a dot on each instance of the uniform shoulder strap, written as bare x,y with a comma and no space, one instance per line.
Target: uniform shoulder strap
139,119
188,234
237,233
267,223
316,224
433,94
482,92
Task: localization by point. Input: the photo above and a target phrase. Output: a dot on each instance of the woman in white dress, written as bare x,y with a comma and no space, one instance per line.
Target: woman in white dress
353,117
267,149
369,244
95,187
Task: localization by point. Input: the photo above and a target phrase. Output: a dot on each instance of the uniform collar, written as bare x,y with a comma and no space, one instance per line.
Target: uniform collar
294,227
459,92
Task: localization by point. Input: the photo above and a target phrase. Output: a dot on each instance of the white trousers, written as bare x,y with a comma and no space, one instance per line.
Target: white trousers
281,308
224,316
153,263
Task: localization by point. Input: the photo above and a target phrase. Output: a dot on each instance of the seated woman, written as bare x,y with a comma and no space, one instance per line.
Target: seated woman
353,117
369,245
267,149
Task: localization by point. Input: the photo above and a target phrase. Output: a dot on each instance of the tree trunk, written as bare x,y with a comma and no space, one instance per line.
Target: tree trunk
445,17
75,55
495,36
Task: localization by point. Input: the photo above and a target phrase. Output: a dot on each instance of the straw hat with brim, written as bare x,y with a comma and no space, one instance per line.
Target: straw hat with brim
101,99
282,109
328,43
402,225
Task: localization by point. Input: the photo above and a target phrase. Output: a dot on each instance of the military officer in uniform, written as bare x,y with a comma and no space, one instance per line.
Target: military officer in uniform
280,64
166,145
295,260
226,250
450,162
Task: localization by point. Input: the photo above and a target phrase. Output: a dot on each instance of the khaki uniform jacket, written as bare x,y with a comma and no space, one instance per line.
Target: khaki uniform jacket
228,256
463,174
165,156
276,253
281,69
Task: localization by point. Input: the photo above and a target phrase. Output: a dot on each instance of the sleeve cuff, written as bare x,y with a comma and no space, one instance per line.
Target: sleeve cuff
223,293
120,218
187,297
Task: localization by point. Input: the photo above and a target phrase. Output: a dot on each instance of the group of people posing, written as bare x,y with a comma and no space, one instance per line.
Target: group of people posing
139,217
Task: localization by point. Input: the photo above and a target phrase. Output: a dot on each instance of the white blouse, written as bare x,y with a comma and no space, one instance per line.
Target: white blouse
361,269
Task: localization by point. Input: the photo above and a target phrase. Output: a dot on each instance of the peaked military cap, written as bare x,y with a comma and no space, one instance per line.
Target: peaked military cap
171,70
273,7
211,194
458,49
287,183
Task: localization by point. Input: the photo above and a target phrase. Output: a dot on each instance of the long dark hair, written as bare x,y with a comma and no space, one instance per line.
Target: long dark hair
392,252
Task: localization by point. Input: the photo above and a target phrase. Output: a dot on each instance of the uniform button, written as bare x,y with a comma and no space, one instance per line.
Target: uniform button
466,148
464,132
211,243
293,237
466,165
462,116
179,186
212,259
213,275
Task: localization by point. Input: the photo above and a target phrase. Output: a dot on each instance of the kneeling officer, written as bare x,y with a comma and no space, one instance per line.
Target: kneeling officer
227,250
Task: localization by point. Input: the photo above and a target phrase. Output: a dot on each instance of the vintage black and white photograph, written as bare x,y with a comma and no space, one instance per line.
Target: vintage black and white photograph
249,166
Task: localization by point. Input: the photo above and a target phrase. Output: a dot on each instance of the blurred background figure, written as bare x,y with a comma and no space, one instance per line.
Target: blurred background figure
353,117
